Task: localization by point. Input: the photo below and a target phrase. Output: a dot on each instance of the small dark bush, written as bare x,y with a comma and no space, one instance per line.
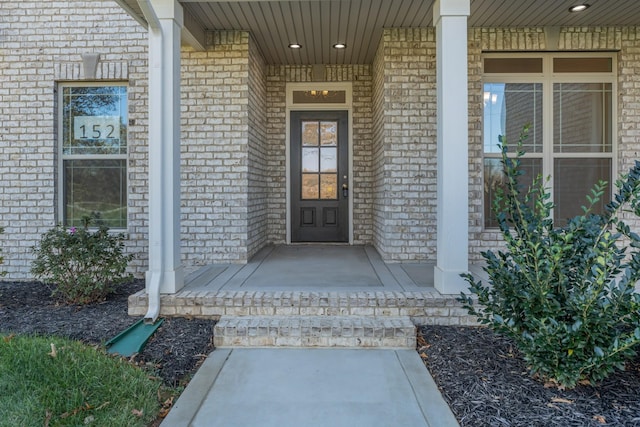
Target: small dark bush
86,266
564,295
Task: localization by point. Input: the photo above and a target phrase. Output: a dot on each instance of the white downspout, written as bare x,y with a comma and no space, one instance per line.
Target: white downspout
153,293
149,14
153,290
123,4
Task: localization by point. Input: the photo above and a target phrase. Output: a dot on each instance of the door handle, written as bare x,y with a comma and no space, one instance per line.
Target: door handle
345,190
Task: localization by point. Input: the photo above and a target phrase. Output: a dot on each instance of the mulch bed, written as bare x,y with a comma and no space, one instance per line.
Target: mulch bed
486,383
175,350
480,374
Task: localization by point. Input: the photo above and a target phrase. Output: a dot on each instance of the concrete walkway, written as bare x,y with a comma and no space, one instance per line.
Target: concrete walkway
311,387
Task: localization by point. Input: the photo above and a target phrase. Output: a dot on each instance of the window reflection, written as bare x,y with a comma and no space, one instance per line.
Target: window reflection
494,179
582,117
319,160
94,154
310,186
310,157
328,186
94,120
96,187
329,159
329,133
508,107
310,133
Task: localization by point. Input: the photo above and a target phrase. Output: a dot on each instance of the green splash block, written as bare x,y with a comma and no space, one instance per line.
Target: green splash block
133,339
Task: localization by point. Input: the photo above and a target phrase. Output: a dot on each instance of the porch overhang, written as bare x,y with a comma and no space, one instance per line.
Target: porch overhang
318,24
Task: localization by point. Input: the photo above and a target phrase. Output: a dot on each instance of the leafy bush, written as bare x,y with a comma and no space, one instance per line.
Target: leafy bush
85,265
564,295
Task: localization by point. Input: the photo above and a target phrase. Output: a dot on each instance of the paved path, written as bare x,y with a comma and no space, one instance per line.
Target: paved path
286,387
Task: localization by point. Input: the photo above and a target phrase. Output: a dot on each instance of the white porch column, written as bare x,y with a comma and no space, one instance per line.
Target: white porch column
450,19
165,23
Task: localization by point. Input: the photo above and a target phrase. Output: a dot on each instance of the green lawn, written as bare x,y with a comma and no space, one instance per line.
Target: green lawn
75,385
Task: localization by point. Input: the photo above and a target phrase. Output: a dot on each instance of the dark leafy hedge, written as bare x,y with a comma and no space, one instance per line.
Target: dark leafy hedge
85,265
565,295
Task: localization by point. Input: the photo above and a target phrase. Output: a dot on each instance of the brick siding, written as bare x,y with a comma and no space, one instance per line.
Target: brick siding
624,40
404,153
233,130
41,43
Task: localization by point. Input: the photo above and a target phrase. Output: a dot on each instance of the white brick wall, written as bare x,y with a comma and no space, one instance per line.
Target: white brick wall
377,149
258,197
215,165
276,142
41,43
404,102
233,130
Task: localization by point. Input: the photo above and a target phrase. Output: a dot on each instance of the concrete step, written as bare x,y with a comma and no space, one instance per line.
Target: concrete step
315,331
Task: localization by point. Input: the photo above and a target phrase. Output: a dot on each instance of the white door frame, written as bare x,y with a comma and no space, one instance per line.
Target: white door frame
346,106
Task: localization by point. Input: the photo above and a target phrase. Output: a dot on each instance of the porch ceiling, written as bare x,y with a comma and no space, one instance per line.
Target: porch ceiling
318,24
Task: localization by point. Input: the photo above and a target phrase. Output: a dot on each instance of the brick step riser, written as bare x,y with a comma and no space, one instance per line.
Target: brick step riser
314,331
445,311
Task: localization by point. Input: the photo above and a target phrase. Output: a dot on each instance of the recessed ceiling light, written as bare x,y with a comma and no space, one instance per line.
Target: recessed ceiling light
578,8
295,45
339,46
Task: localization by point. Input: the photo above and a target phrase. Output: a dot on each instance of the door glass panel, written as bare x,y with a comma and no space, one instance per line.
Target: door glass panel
329,159
310,131
310,159
329,133
328,186
319,159
310,186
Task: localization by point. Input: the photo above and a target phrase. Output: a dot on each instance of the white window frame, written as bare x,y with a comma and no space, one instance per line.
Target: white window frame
548,78
62,157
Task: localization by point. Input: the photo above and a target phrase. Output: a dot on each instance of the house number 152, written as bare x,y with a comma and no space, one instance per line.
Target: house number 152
96,127
96,132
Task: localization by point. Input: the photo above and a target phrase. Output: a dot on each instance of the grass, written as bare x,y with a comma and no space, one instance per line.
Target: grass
51,381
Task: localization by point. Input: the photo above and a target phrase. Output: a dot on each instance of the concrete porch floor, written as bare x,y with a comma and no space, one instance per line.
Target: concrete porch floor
311,280
314,268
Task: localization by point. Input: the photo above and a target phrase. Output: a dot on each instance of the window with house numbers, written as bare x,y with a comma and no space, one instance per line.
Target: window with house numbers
93,153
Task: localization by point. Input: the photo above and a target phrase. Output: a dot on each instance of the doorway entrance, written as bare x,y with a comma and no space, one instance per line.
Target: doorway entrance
319,176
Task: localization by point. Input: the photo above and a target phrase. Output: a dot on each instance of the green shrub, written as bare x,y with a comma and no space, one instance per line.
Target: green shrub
85,265
564,295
